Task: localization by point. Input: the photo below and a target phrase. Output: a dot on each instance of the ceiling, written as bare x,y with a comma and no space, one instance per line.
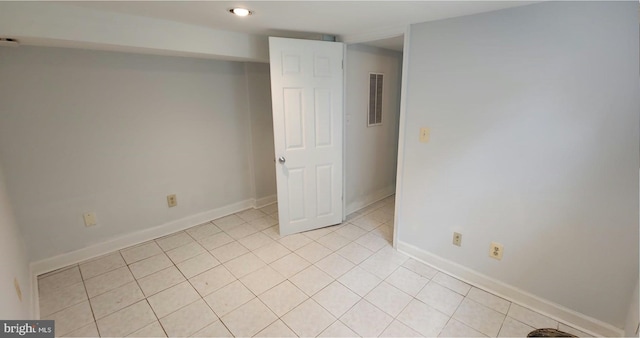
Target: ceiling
351,21
395,43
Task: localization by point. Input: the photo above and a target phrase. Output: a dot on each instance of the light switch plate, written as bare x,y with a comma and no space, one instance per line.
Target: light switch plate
425,134
89,219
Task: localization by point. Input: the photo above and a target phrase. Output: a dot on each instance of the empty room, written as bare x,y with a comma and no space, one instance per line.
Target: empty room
319,168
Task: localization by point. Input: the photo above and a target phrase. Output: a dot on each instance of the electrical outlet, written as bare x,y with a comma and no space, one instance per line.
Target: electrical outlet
457,239
18,290
172,200
496,250
425,134
89,219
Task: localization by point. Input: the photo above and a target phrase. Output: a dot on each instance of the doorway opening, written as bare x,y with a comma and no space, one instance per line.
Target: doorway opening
372,117
372,75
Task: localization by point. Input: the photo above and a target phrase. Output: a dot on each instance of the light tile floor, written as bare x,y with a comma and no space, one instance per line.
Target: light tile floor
235,276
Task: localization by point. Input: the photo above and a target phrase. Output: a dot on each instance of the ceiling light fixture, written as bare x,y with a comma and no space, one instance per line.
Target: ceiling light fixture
240,11
9,42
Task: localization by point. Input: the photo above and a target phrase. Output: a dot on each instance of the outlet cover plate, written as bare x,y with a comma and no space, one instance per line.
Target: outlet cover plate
496,250
172,200
457,239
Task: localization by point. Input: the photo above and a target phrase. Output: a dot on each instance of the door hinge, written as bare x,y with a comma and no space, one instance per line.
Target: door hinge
343,64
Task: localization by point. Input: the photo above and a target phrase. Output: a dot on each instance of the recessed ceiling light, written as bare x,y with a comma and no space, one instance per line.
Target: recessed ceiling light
9,42
240,11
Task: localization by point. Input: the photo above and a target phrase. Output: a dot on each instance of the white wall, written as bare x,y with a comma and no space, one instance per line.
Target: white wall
534,144
371,152
259,100
115,133
14,263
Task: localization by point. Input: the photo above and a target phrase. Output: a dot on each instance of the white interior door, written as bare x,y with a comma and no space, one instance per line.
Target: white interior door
306,92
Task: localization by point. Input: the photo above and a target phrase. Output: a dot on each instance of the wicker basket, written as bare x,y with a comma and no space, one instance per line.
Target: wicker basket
549,333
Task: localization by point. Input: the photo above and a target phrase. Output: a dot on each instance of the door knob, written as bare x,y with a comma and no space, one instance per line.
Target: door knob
281,159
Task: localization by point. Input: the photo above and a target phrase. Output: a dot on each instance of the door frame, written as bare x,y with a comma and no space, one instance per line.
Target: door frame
406,32
344,133
402,126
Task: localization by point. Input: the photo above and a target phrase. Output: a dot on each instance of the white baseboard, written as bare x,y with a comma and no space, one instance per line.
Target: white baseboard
53,263
369,199
558,312
60,261
50,264
264,201
35,295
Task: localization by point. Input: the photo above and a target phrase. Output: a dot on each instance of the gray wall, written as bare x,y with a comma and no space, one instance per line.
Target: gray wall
14,263
633,315
115,133
259,100
371,152
534,144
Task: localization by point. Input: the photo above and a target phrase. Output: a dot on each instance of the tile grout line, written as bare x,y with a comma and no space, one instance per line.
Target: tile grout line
89,299
95,320
68,306
454,312
308,297
186,280
143,294
221,263
506,315
347,287
399,313
311,264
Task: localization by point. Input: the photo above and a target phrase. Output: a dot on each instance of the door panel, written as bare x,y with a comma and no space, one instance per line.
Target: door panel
323,116
296,192
294,121
306,90
324,179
